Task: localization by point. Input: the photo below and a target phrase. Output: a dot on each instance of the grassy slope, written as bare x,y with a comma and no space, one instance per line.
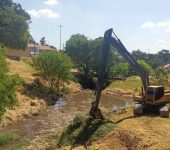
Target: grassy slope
24,107
130,84
22,67
146,132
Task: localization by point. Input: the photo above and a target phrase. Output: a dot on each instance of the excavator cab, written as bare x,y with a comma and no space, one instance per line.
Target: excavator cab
154,93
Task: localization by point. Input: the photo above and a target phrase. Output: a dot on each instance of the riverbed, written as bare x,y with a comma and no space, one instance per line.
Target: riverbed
55,118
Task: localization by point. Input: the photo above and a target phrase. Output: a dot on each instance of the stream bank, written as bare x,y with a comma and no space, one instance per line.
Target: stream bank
55,118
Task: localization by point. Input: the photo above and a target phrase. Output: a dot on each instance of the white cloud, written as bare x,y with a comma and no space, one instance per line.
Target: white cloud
168,29
165,25
161,42
51,2
148,24
157,46
46,13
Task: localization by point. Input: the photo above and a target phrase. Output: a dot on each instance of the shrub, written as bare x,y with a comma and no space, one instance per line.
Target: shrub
8,85
54,68
159,76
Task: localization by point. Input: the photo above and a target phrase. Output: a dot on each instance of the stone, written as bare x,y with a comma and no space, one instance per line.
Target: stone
164,112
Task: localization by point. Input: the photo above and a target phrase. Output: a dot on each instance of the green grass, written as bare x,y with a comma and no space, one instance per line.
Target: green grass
129,84
6,138
11,142
66,90
84,130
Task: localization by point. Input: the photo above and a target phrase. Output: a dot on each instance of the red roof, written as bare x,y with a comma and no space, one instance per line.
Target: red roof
167,66
41,47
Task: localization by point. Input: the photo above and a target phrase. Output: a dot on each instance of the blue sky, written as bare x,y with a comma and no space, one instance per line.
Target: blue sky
140,24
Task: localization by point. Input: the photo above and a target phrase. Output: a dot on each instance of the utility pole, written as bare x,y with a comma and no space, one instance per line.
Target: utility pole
60,26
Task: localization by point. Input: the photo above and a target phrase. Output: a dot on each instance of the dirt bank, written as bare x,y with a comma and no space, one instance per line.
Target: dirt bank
148,133
118,92
134,133
27,105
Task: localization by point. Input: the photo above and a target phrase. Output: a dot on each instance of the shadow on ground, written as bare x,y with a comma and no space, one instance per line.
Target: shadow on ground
84,130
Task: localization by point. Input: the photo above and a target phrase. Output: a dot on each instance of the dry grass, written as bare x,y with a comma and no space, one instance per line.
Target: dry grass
129,84
22,68
152,132
145,132
26,105
74,87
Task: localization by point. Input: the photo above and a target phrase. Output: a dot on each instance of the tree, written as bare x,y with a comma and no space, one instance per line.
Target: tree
14,25
120,70
112,66
145,65
87,57
43,41
155,60
78,48
55,68
159,77
138,54
164,56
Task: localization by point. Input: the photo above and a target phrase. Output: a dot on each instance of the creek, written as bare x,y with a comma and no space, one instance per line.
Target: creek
55,118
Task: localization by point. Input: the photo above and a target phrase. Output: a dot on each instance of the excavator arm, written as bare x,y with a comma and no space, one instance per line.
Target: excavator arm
120,48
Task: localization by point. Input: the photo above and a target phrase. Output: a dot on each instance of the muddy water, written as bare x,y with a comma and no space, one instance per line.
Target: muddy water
57,117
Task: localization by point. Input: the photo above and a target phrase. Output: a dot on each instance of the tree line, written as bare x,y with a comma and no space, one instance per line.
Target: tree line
86,56
161,58
14,25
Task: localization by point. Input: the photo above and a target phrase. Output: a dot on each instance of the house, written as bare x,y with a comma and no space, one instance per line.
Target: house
35,49
167,67
32,49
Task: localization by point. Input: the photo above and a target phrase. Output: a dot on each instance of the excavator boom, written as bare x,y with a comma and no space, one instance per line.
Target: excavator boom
120,48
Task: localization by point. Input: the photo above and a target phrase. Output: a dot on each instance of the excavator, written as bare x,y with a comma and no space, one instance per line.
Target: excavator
151,97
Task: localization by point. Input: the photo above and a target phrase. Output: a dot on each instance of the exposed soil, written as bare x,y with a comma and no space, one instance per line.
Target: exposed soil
136,133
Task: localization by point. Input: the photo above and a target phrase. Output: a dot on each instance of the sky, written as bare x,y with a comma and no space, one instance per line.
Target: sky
140,24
